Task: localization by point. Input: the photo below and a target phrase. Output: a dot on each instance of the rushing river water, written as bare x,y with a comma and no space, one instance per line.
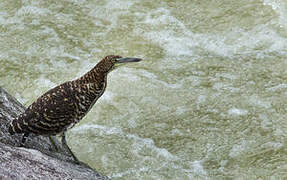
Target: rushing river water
209,101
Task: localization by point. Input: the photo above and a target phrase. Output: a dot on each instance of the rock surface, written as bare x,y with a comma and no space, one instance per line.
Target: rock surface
38,159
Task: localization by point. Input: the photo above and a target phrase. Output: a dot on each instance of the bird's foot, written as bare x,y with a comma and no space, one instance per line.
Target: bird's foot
53,143
77,162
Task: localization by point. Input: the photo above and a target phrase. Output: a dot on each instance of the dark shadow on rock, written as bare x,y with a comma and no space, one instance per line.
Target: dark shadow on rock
38,159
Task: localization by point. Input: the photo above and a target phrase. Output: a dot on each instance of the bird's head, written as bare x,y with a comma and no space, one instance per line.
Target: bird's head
111,62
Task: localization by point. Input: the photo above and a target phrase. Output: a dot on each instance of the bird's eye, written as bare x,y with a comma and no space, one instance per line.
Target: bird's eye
114,60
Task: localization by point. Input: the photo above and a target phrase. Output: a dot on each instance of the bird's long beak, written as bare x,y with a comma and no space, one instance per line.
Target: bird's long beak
128,59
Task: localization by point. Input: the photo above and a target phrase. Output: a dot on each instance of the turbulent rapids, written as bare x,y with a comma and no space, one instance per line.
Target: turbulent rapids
209,101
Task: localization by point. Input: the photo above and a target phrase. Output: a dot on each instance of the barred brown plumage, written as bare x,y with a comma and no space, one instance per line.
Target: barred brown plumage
63,106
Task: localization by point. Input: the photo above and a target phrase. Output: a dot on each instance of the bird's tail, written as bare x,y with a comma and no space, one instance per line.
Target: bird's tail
11,128
15,127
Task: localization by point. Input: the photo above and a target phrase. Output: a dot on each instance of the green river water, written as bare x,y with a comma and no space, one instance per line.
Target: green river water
209,101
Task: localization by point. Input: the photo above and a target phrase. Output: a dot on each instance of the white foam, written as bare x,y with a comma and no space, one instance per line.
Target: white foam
198,167
257,101
42,81
107,96
166,34
59,64
134,75
119,4
138,142
227,75
277,87
266,124
273,145
174,46
108,13
279,132
201,99
130,171
149,143
70,56
143,148
32,10
78,2
280,8
181,110
21,99
2,19
239,149
147,74
128,75
85,66
104,130
237,112
56,51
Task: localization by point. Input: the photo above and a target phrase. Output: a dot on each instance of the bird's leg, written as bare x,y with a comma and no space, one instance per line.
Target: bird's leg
65,145
53,143
24,137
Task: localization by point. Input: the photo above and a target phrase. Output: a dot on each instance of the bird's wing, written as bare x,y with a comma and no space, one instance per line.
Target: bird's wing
54,109
61,107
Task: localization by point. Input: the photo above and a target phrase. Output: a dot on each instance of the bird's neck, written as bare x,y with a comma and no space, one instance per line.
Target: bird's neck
96,75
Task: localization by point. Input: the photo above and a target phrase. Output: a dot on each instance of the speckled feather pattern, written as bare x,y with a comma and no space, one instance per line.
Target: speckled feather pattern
63,106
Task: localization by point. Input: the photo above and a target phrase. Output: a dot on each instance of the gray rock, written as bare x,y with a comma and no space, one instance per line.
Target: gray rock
38,159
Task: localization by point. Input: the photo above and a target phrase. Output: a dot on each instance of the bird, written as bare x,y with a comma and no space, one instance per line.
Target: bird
61,107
